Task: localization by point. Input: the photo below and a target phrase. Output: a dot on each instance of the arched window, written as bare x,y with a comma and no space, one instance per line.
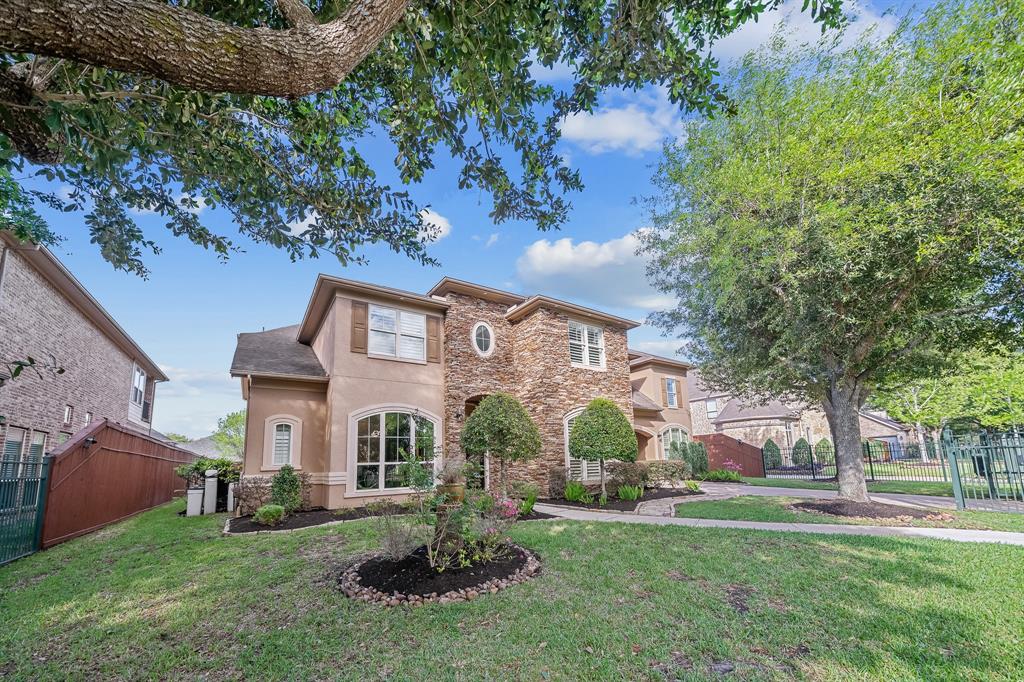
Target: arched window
578,469
383,441
282,442
483,339
671,435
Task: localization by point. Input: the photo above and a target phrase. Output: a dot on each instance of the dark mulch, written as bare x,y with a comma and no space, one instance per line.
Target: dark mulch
536,516
865,510
626,505
304,519
414,576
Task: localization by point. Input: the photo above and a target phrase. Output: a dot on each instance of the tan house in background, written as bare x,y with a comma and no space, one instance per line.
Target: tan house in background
714,411
372,371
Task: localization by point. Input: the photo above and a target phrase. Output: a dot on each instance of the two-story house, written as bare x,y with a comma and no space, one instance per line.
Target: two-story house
371,372
46,313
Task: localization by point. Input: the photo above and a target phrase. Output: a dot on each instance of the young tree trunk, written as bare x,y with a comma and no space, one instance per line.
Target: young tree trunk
604,492
842,408
922,442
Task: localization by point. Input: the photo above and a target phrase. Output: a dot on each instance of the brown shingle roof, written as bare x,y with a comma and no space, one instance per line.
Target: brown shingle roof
736,411
642,402
275,352
696,389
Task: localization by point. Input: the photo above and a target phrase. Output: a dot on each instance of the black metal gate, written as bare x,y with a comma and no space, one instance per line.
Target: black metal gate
22,503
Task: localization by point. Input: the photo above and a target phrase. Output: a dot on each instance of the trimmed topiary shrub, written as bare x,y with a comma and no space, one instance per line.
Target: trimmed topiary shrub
697,457
269,515
671,473
628,473
600,433
501,428
286,489
824,452
802,453
772,455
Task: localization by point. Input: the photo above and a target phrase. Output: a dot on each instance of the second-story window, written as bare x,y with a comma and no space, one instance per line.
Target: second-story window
69,413
397,333
672,392
138,386
586,345
712,408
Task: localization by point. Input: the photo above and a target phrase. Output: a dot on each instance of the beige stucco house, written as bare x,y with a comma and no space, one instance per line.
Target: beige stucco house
714,411
371,371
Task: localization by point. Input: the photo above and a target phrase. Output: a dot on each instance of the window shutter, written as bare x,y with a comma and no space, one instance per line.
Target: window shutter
433,339
664,391
358,341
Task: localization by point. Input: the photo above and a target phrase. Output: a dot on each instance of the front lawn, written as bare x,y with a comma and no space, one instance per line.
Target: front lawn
776,509
940,488
165,597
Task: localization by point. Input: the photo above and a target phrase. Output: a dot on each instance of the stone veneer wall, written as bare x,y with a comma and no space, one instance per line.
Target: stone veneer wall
530,361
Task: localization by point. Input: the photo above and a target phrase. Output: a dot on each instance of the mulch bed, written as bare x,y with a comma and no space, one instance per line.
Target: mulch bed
868,510
413,582
535,516
616,504
302,519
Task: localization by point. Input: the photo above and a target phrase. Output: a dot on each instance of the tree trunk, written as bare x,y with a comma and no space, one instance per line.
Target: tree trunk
922,442
604,492
842,408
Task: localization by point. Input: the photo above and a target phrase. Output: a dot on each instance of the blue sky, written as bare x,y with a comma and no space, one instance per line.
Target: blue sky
186,315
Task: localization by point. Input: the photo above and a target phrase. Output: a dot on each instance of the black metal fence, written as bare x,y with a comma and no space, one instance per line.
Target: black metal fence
883,461
988,470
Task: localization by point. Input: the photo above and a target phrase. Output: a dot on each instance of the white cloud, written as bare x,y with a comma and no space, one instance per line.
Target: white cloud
608,273
492,240
436,226
197,209
298,227
665,347
638,124
193,400
799,28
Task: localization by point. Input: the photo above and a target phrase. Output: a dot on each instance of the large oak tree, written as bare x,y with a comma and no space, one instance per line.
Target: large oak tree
861,218
259,106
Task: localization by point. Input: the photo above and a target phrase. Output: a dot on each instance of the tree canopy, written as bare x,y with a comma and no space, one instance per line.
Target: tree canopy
501,428
230,434
861,217
261,108
602,432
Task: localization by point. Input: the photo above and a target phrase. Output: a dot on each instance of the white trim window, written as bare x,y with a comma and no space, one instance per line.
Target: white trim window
578,469
283,440
138,386
711,407
383,439
397,333
672,392
671,435
69,413
586,345
482,339
14,443
88,418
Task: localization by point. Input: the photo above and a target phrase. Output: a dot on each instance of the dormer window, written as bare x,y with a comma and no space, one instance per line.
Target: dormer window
138,386
586,345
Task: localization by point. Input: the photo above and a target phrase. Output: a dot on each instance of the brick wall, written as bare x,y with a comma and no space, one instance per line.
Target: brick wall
36,320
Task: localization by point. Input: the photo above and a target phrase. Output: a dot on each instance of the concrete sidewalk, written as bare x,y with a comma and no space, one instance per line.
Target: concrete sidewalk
954,534
723,491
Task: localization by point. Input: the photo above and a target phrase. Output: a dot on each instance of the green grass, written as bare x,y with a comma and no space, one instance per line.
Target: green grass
166,597
776,509
907,487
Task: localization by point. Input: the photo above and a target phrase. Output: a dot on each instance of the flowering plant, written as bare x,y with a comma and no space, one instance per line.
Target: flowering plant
730,465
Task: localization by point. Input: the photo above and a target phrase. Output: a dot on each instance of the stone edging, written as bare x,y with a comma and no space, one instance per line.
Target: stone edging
349,584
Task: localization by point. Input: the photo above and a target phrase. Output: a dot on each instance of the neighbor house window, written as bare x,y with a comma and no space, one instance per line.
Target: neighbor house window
88,418
397,333
579,469
69,412
789,434
138,386
712,408
282,445
63,437
383,441
586,345
483,339
673,435
11,457
672,392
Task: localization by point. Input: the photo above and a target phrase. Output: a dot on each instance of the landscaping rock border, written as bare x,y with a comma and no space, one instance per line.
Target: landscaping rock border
349,584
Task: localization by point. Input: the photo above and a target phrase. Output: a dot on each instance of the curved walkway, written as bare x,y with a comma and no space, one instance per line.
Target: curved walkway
954,534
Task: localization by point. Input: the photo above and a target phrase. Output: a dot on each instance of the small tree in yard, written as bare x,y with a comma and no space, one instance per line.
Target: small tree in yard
859,220
501,428
802,453
772,455
602,432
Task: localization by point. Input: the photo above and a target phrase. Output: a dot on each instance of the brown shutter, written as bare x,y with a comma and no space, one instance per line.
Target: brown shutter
664,391
358,327
433,339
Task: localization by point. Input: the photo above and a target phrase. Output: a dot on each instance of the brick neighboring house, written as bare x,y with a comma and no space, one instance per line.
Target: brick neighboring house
45,311
713,411
334,395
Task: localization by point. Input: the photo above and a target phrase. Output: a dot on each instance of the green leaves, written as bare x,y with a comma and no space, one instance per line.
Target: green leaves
501,427
602,432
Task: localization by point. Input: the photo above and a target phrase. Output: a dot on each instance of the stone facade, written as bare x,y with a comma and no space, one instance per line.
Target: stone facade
37,319
530,361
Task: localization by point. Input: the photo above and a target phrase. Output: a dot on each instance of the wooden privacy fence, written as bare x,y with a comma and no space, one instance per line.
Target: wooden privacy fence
105,473
722,447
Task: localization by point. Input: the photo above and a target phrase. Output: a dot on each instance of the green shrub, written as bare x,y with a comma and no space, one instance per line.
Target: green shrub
575,491
723,476
628,473
802,453
527,493
669,472
602,432
772,455
630,492
693,486
269,515
824,452
286,489
228,470
501,427
697,457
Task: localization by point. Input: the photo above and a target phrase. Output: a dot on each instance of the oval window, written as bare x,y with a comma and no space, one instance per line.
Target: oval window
483,339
